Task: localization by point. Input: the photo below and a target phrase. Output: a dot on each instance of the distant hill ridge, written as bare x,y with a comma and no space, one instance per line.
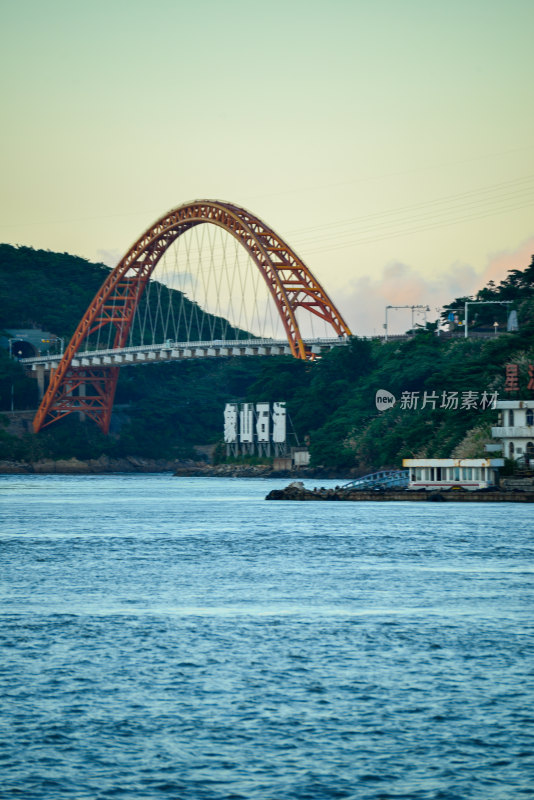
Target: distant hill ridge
53,290
166,410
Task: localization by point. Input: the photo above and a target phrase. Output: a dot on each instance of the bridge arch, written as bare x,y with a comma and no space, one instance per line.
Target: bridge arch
290,283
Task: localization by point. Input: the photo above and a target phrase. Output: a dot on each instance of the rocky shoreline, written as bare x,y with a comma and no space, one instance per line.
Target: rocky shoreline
512,490
257,471
75,466
297,491
134,464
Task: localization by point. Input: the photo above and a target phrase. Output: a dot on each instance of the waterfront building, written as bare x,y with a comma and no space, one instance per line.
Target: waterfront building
448,473
515,429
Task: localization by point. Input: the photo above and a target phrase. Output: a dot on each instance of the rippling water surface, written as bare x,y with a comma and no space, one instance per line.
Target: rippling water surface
182,638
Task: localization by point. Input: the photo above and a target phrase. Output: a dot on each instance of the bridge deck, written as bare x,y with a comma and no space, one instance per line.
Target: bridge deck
175,351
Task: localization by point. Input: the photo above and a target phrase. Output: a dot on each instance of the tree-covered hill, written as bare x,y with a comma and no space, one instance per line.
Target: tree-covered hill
47,290
442,385
515,291
168,408
52,291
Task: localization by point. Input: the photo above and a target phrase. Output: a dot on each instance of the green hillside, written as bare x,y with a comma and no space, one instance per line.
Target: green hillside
164,410
168,410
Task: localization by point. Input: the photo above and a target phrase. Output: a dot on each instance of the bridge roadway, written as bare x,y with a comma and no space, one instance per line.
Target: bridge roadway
175,351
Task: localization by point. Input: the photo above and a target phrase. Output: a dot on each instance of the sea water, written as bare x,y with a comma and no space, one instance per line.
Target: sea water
171,637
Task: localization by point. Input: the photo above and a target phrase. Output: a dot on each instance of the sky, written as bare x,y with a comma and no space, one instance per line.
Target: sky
390,143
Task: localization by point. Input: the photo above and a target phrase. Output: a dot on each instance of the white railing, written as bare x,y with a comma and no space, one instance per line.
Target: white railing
169,347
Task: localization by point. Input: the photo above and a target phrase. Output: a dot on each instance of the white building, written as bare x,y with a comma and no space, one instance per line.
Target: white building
447,473
515,428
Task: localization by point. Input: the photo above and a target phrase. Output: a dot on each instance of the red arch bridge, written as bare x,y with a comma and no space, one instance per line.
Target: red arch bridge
207,279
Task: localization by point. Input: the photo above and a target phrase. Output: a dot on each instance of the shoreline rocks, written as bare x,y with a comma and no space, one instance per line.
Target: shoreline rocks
135,464
296,491
75,466
256,471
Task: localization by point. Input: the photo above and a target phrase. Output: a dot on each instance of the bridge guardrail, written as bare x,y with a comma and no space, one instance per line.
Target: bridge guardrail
384,479
170,345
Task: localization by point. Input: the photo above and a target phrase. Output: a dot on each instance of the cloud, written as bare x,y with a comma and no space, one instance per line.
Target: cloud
109,257
501,263
365,299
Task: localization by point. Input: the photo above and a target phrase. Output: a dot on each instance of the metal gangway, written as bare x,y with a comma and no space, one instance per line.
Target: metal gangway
385,479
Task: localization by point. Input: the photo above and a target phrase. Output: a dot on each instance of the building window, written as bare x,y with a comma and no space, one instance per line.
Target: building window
511,418
511,449
438,472
530,416
530,449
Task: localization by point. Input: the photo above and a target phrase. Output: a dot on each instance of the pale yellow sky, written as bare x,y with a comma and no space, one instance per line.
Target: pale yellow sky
390,143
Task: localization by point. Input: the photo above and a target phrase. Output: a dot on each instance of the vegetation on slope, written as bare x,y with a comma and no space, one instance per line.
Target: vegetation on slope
163,411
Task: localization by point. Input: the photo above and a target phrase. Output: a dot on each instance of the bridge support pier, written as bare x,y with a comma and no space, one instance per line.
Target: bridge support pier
82,393
40,375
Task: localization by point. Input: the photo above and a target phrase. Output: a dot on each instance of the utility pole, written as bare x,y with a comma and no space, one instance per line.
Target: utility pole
425,309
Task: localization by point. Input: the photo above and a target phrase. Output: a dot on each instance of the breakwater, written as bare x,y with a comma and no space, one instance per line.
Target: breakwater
297,491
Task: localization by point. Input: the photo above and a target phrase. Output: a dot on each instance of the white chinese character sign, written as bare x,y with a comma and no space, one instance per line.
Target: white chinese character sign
246,422
262,422
250,428
279,422
230,423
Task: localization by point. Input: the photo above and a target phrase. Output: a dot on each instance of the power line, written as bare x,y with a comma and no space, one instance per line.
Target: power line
454,200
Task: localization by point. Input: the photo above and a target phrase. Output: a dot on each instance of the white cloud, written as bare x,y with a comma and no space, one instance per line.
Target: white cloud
365,299
109,257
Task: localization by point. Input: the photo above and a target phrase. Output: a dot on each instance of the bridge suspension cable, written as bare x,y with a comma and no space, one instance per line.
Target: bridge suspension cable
207,270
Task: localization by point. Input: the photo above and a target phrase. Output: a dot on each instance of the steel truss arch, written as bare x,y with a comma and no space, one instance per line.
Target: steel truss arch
290,282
